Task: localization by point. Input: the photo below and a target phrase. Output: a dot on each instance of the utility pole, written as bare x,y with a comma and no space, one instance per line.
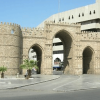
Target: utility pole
58,6
58,9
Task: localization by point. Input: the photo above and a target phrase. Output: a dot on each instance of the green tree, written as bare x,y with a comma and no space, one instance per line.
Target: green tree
2,70
29,64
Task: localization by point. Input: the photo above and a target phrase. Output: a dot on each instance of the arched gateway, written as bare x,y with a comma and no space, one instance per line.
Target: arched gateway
37,56
81,50
77,60
67,41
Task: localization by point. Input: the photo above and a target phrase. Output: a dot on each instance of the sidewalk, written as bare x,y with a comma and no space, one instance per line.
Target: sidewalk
11,82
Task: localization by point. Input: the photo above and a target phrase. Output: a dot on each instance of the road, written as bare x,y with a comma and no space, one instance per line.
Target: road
22,94
46,91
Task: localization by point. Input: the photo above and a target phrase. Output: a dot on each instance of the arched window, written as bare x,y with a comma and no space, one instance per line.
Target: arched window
62,19
69,17
79,15
82,14
72,17
90,13
94,11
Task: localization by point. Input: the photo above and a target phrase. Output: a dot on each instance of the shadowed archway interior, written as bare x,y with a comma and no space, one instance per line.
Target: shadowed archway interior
87,61
67,50
38,51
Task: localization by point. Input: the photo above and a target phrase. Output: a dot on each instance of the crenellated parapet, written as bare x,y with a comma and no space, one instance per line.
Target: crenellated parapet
90,35
9,29
33,32
7,23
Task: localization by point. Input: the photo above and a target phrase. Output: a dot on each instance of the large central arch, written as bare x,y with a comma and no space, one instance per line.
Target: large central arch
67,42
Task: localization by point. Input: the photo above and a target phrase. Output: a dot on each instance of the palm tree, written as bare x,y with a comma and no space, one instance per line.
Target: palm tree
2,70
29,64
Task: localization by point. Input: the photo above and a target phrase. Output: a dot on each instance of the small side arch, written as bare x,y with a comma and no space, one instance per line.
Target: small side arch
88,60
89,48
37,53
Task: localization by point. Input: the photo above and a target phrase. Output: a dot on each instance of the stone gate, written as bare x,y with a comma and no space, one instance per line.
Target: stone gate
81,49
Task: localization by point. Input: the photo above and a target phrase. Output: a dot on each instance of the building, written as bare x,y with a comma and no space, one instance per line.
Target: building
88,16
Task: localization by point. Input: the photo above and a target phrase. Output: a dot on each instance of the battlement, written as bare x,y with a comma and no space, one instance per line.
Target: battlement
87,35
10,29
62,23
32,29
33,32
11,24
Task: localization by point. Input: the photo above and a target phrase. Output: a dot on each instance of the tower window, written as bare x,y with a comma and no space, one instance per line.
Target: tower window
69,17
82,14
12,31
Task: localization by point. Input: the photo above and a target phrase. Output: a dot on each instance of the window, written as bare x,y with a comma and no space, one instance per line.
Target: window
12,31
54,21
59,19
90,12
72,17
79,15
62,19
82,14
94,11
69,17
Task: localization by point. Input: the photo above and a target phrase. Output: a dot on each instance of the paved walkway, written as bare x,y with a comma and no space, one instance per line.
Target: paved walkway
11,82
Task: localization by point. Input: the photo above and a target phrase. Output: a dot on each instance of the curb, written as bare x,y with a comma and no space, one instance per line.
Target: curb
30,84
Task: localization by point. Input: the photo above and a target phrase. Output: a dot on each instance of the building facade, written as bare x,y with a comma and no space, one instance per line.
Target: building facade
88,16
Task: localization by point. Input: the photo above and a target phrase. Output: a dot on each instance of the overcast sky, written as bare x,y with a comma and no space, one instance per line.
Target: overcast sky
30,13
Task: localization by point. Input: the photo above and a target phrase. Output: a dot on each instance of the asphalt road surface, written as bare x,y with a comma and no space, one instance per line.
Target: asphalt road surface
21,94
45,91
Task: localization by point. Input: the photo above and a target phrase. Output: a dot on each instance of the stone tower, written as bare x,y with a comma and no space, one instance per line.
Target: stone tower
10,47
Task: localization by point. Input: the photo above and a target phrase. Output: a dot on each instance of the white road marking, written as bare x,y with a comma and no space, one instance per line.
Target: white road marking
67,83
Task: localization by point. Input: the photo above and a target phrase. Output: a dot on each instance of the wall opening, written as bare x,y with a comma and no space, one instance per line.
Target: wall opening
35,53
62,49
88,64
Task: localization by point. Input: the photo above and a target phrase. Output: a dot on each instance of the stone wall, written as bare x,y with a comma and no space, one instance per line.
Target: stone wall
15,43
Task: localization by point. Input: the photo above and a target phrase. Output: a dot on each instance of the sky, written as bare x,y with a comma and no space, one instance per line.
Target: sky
30,13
